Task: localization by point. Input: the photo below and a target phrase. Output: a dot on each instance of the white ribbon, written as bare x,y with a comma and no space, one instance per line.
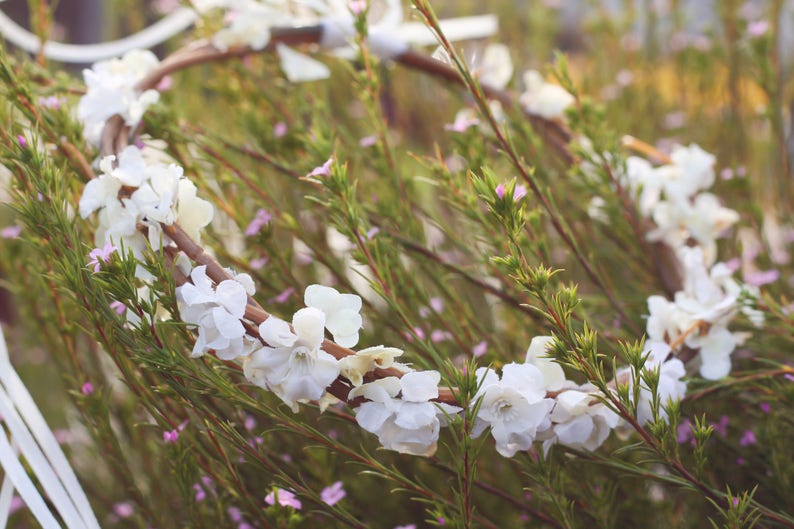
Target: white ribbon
42,453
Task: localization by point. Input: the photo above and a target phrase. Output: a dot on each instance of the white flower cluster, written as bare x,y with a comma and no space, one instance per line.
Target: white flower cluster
534,401
400,412
709,301
247,22
544,99
673,196
690,220
217,311
152,194
110,90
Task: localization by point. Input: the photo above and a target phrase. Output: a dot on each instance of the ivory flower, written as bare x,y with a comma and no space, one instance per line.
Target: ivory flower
341,312
110,90
216,311
409,424
292,365
544,99
515,407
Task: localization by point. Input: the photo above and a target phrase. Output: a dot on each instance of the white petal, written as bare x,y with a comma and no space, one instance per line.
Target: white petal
309,325
277,333
298,67
420,386
227,324
232,296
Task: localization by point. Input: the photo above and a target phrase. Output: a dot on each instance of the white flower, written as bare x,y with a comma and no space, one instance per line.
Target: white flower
496,67
248,23
544,99
98,193
715,351
515,407
694,171
292,365
644,183
537,355
192,213
299,67
704,219
670,386
409,424
708,296
341,311
579,420
217,312
110,90
354,367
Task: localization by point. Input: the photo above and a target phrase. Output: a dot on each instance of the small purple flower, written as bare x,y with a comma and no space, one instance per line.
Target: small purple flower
23,142
735,502
461,124
87,389
165,84
765,407
260,220
357,6
51,102
16,504
480,349
757,28
748,438
234,514
762,278
441,521
740,461
367,141
249,423
437,304
439,336
333,493
324,169
500,190
200,494
11,232
101,254
258,263
684,433
285,498
123,509
171,436
721,427
372,232
519,192
119,307
280,129
285,295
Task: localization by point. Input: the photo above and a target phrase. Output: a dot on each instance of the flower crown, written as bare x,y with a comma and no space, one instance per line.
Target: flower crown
143,205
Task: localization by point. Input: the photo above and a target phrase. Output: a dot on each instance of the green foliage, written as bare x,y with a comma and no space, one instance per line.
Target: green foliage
413,218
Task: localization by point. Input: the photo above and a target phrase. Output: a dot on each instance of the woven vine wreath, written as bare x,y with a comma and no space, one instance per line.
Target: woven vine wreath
143,205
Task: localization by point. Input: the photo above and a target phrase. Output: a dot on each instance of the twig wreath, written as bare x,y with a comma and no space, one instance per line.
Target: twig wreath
143,206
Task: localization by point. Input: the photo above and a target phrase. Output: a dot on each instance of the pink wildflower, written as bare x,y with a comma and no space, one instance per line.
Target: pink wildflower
285,498
324,169
119,307
480,349
101,254
11,232
280,129
260,220
171,436
87,389
333,493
